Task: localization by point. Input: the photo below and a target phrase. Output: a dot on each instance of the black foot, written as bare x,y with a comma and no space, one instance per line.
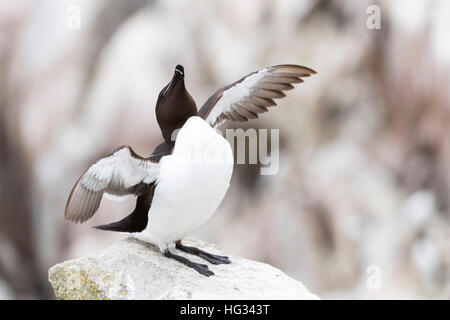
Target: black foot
211,258
200,268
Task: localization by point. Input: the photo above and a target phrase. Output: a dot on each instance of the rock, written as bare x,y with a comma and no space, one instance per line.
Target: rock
133,269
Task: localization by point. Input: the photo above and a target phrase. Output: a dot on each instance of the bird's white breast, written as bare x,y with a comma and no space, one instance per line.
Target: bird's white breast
191,183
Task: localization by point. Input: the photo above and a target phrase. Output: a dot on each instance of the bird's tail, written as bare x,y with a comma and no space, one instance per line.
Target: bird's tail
118,226
137,220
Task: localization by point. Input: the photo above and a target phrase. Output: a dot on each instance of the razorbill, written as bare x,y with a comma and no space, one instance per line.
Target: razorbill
181,184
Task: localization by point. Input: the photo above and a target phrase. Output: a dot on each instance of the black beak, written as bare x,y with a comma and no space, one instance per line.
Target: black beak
179,70
177,76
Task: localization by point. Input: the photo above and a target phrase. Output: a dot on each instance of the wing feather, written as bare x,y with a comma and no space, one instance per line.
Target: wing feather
121,173
253,94
243,111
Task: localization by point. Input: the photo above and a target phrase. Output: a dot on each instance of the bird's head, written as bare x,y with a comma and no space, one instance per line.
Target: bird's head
175,105
175,87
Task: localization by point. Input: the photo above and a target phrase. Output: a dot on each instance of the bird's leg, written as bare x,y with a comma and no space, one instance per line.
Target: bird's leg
212,258
200,268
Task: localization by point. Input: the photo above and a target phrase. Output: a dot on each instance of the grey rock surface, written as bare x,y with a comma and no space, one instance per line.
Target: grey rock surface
133,269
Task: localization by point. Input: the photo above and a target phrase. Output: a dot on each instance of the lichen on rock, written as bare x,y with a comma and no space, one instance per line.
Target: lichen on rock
133,269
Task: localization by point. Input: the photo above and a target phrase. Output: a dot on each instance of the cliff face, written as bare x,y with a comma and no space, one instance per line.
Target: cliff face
132,269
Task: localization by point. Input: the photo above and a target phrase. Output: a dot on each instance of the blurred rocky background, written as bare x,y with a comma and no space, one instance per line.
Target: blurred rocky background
360,207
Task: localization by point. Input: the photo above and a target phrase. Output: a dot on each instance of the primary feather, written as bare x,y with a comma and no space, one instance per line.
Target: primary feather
121,173
253,94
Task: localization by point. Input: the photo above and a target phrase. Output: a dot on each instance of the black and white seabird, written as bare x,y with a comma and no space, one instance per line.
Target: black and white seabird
181,184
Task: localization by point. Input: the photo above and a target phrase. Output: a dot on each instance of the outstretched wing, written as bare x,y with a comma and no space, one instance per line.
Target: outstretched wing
253,94
121,173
